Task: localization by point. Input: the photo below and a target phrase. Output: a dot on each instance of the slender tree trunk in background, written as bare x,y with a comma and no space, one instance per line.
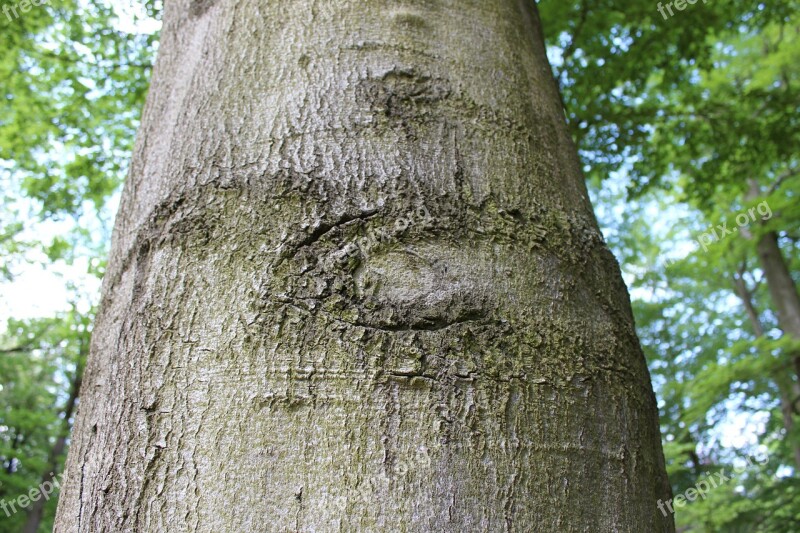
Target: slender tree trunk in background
783,293
356,285
783,382
782,288
785,298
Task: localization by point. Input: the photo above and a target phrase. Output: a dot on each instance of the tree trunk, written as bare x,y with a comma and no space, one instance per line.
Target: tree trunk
783,382
783,293
356,285
781,286
785,298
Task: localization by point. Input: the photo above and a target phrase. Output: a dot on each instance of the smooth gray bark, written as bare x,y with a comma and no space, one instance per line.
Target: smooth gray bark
356,285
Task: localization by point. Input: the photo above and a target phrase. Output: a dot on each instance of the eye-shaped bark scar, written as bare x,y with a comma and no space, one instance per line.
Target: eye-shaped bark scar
403,93
424,287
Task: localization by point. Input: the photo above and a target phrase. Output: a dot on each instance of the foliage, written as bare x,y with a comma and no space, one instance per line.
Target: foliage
41,359
72,86
72,80
696,117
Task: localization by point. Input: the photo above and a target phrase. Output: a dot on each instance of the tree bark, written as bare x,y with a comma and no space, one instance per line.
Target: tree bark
785,298
356,285
782,288
781,285
783,293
